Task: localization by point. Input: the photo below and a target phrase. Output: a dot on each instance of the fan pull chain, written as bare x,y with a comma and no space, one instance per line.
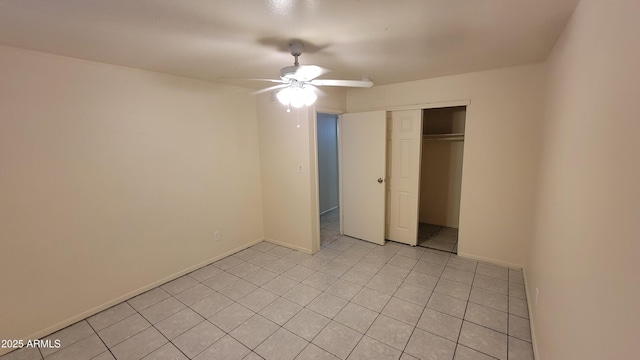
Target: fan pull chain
298,126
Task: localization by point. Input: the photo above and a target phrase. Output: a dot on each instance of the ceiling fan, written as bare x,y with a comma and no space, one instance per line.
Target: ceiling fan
299,82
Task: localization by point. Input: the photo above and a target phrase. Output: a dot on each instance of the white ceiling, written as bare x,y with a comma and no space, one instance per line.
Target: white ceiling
389,41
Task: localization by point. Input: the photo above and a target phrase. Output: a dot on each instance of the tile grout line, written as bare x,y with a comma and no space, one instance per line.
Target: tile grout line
463,316
416,326
60,349
508,310
105,345
188,307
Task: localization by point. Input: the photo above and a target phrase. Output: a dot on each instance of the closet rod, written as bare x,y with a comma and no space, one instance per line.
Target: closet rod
444,137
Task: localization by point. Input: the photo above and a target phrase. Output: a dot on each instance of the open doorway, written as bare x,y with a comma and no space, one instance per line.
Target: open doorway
328,177
441,177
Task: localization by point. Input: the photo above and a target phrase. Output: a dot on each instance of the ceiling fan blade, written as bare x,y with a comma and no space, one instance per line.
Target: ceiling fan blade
279,81
349,83
270,88
309,72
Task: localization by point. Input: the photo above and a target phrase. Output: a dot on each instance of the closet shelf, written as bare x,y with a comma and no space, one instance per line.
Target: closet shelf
443,137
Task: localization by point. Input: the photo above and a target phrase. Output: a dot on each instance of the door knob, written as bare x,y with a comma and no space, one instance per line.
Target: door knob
380,180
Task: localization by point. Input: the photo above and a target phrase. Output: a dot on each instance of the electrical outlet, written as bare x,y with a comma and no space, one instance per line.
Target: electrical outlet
216,235
535,300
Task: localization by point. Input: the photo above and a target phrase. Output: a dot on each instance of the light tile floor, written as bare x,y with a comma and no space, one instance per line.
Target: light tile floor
329,227
438,237
351,300
430,236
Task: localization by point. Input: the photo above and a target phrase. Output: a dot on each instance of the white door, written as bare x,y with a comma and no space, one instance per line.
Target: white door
404,179
362,173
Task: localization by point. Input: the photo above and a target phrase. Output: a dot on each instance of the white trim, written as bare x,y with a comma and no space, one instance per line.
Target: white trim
315,186
314,181
326,110
490,260
433,105
534,341
340,188
287,245
72,320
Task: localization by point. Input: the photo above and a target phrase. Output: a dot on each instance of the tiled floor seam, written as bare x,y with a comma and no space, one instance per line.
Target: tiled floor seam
460,331
94,333
170,341
105,345
316,335
257,346
161,333
507,334
415,327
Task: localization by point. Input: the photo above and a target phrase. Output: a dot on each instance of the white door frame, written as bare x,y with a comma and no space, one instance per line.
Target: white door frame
315,186
467,105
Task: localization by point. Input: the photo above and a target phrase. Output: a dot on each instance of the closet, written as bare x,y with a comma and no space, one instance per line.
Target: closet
415,198
441,177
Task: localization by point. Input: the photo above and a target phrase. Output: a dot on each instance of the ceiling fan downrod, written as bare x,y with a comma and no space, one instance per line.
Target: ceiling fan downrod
295,48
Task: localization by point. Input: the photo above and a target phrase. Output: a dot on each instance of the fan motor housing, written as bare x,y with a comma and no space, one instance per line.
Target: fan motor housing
288,72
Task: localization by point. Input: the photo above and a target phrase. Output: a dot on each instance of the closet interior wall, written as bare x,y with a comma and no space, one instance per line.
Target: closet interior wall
441,166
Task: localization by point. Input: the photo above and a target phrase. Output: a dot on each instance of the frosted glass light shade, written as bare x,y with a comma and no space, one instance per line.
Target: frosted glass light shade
297,96
309,96
284,96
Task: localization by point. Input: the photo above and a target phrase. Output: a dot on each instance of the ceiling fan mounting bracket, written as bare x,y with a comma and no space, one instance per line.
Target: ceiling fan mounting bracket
295,48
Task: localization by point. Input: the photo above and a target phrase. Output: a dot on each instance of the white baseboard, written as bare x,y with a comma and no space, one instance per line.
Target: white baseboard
72,320
287,245
490,260
534,342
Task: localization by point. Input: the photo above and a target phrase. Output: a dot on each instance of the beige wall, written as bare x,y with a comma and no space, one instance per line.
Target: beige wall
112,180
499,151
290,201
584,254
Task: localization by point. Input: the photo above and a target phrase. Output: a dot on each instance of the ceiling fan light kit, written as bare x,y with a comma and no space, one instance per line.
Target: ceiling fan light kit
298,82
297,95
